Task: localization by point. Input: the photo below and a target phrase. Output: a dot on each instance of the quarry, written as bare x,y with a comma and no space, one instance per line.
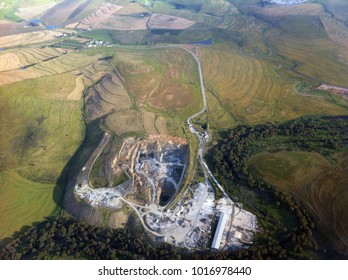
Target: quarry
156,167
189,215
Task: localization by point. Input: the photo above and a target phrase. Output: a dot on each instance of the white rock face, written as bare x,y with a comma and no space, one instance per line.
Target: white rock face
283,2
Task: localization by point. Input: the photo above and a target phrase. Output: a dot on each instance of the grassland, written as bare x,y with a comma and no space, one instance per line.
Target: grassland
163,80
315,55
319,183
308,9
41,128
22,64
36,126
67,12
29,9
7,12
247,89
23,202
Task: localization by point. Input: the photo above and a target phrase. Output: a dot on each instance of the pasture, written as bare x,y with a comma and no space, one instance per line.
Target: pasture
248,89
40,117
164,79
23,202
317,182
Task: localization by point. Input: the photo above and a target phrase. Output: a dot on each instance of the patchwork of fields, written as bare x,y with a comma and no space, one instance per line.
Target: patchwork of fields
250,90
260,65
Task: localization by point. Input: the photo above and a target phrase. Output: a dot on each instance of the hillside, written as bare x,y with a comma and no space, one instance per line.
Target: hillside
118,109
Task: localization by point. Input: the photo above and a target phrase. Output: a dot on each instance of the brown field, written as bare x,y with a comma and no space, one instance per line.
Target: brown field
59,13
160,21
12,76
217,8
308,9
161,125
154,124
164,79
108,95
33,11
124,121
337,31
27,38
241,23
149,122
12,28
12,61
316,181
102,15
120,22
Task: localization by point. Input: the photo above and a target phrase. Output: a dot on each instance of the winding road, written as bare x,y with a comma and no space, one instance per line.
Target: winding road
207,173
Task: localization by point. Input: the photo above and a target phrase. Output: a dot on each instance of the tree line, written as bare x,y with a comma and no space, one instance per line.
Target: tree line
66,238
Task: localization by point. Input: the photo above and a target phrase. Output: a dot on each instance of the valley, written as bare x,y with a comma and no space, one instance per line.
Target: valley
125,114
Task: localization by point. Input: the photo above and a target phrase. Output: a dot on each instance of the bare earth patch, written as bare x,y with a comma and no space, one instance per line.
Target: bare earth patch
336,90
160,21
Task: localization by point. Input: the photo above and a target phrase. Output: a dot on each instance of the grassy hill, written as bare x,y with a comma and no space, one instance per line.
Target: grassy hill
319,183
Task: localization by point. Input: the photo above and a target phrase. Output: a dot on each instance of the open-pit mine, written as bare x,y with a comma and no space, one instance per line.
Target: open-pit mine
154,169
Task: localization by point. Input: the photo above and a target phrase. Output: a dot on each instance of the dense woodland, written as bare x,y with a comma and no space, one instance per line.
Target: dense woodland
301,239
65,238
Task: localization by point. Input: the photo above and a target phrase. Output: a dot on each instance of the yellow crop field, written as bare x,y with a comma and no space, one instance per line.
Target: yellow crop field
27,38
77,93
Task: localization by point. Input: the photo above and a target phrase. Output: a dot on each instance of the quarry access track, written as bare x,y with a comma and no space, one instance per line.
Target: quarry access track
207,173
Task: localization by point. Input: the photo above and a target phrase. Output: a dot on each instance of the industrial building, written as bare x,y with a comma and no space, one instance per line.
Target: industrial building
219,231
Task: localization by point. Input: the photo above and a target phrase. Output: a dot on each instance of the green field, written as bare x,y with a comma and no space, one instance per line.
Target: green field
40,132
317,182
246,89
9,10
263,67
24,202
